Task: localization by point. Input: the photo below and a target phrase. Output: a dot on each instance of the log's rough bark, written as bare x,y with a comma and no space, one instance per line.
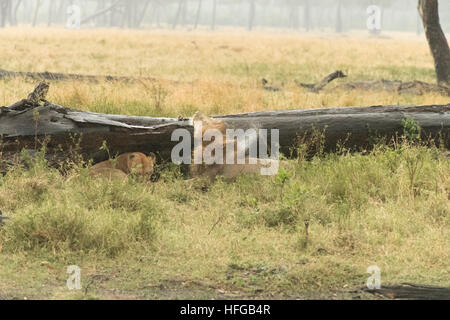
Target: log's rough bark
428,10
413,291
28,121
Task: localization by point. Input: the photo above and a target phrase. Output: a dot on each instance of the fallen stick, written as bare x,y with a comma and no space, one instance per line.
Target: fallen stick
321,84
412,291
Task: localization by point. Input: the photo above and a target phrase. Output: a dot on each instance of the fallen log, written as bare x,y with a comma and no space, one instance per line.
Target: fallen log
412,292
53,76
409,87
26,124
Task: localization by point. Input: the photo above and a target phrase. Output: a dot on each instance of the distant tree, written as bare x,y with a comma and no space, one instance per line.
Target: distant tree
339,28
36,10
251,15
5,10
50,12
307,15
181,4
293,14
214,11
428,10
197,16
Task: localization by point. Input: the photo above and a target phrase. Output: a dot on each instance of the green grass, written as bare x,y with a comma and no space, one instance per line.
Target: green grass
310,232
313,228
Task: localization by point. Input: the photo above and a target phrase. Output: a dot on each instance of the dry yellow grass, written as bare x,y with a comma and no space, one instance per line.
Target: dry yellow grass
216,73
361,208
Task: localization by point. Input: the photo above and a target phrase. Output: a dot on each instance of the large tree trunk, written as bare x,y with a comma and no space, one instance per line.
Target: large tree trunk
428,10
25,123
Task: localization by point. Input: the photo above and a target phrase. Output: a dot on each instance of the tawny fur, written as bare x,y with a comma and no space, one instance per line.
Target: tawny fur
127,163
228,171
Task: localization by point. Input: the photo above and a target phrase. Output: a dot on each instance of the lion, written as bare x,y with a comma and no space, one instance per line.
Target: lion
125,164
228,171
108,173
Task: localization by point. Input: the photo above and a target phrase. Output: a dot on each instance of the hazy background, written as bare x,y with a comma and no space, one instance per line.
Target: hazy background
295,15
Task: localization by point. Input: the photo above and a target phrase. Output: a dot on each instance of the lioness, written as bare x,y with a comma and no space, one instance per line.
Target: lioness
228,171
127,163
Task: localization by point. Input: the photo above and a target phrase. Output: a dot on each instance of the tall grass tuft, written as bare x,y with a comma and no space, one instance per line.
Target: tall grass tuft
49,211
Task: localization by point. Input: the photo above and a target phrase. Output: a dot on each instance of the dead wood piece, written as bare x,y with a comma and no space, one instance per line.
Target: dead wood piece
412,291
33,100
39,93
267,87
410,87
69,76
320,85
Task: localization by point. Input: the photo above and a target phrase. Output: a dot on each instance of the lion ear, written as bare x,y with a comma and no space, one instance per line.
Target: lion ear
152,156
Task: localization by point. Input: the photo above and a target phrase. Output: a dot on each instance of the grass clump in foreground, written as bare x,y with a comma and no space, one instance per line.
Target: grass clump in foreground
77,214
314,227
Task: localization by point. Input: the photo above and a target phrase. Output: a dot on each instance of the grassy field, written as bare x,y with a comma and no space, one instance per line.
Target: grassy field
309,232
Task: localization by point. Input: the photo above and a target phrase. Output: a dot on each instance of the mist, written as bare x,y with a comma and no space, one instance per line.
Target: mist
287,15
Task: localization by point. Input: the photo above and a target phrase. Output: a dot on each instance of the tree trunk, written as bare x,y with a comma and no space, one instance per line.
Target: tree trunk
14,13
178,14
293,15
339,17
214,11
353,128
36,11
197,16
251,15
50,12
3,12
428,10
142,15
306,16
9,12
184,11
